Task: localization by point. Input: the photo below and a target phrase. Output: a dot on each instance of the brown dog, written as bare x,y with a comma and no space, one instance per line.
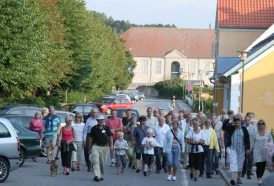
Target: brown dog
53,168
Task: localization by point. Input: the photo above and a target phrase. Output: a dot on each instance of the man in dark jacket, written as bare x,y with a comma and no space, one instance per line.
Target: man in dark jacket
239,145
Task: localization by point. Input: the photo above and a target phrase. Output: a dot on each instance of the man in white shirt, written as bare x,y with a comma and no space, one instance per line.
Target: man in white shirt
160,133
151,120
91,121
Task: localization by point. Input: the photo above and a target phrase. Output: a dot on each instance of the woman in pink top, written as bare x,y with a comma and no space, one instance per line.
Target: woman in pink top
37,125
66,137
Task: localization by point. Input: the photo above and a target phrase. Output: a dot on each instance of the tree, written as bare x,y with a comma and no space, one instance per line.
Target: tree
29,52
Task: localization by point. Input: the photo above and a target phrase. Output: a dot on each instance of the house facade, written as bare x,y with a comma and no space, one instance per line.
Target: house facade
238,25
255,79
166,53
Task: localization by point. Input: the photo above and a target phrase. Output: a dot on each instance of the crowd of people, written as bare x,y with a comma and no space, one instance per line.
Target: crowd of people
170,140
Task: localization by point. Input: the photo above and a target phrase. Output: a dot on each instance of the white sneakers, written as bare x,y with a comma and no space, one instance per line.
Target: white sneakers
169,178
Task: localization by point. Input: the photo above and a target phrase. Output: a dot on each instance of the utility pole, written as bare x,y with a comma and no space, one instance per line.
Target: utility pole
243,56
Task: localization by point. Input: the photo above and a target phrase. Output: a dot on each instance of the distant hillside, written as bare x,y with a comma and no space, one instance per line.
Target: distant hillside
120,26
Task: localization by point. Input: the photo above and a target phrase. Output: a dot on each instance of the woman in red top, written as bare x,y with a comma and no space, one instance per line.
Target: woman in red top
37,125
66,137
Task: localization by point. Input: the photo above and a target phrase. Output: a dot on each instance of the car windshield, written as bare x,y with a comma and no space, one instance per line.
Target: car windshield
3,110
19,127
107,100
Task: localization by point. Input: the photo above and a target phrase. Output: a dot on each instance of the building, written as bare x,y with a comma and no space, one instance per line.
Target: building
166,53
254,80
238,24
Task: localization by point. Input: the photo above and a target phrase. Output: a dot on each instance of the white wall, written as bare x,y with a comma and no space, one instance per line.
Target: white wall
235,93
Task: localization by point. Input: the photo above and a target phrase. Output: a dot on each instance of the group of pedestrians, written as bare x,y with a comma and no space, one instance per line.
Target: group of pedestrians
171,140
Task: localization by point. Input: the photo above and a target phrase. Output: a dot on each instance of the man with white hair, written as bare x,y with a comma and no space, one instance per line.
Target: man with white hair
160,133
91,121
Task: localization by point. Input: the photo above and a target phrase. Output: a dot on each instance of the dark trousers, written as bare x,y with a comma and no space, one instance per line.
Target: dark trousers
260,168
248,163
88,163
160,158
66,152
215,160
194,160
205,160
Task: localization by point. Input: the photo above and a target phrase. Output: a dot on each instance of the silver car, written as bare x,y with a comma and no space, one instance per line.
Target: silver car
9,149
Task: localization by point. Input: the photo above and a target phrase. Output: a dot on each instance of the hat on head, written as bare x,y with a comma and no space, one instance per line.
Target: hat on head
100,117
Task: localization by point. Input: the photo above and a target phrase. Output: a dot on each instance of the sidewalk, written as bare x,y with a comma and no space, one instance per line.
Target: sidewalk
225,173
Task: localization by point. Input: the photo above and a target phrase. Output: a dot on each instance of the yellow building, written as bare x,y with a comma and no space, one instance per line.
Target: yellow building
258,81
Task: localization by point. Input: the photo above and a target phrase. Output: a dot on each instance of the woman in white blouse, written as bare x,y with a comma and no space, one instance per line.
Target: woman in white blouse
260,140
78,128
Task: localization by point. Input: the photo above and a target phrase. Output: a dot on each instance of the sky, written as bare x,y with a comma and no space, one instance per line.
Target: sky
182,13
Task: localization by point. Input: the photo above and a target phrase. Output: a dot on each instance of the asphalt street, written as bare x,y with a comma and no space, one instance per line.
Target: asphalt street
38,173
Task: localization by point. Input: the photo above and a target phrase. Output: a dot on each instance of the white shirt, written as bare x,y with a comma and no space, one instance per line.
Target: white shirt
195,137
206,136
91,122
149,142
160,134
183,126
79,131
151,122
218,128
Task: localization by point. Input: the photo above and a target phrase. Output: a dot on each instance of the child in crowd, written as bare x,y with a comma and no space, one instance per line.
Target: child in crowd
148,143
120,147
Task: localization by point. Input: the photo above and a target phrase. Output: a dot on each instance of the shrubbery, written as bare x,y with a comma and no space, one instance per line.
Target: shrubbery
168,88
207,104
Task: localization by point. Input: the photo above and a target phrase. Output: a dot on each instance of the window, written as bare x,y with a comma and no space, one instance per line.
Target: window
4,132
158,67
175,70
78,109
87,108
144,66
16,111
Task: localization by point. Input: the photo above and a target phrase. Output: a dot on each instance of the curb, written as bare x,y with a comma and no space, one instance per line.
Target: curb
225,177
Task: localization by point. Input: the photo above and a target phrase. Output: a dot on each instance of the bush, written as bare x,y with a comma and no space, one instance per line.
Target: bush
168,88
37,101
208,106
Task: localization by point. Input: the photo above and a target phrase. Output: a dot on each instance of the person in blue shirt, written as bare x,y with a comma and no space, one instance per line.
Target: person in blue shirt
51,124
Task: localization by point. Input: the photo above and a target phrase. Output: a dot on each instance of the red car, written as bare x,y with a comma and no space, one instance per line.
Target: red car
107,104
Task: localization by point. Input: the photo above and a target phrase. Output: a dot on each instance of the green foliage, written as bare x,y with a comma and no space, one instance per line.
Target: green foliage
209,90
207,108
168,88
120,26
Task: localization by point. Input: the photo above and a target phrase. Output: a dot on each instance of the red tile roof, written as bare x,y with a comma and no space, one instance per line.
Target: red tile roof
245,13
157,42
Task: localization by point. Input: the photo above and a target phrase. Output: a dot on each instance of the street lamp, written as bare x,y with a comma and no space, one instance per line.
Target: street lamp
243,56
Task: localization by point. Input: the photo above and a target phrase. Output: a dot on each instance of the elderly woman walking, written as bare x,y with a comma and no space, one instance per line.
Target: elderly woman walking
261,139
173,146
195,139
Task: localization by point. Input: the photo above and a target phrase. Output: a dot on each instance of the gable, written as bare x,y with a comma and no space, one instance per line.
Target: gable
175,54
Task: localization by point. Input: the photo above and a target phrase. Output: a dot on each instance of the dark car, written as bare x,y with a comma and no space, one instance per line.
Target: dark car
19,109
83,109
30,143
133,113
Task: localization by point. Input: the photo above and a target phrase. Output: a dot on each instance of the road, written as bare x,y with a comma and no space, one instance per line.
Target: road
37,173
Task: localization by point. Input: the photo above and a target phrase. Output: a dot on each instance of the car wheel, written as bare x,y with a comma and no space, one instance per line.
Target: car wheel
43,148
4,170
22,157
108,111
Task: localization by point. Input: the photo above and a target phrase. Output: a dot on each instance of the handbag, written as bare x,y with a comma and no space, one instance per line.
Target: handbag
177,140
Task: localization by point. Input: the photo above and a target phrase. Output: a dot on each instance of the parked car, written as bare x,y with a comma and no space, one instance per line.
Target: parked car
23,120
83,109
19,109
141,95
30,143
133,97
106,104
133,112
123,95
9,149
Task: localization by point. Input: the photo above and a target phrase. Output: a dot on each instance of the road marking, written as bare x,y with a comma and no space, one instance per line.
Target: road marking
184,175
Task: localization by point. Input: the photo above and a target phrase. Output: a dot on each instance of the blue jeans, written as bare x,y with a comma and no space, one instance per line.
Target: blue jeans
173,158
